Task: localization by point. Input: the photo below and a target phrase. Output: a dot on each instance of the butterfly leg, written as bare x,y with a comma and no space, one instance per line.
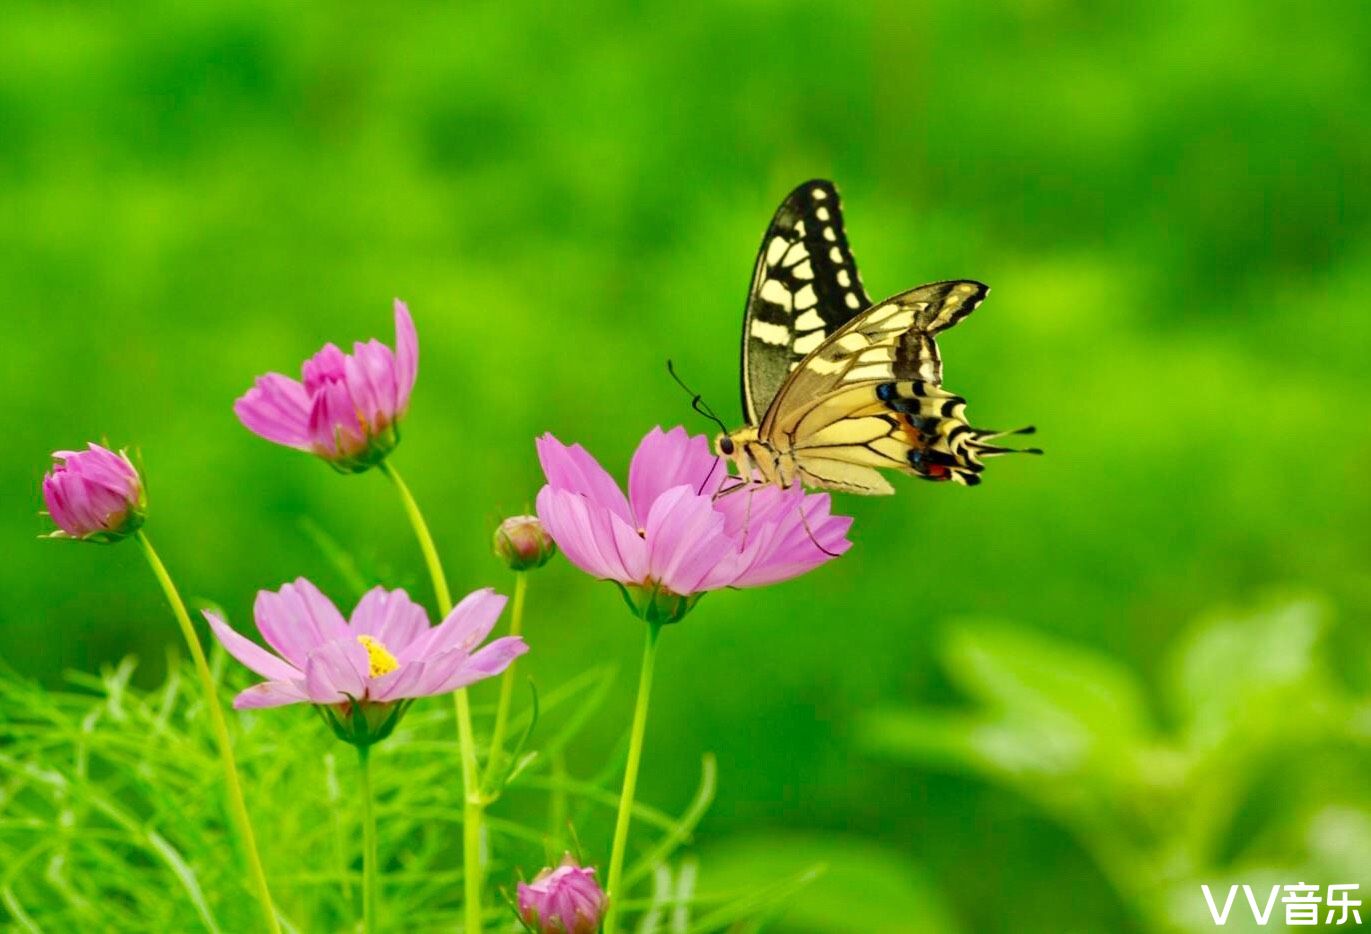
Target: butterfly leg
747,518
804,520
740,484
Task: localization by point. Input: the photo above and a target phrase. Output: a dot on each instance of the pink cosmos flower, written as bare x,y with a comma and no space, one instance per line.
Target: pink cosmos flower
94,495
565,900
360,671
672,538
347,408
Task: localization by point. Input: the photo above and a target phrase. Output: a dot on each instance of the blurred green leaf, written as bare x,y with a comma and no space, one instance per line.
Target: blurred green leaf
862,888
1080,696
1259,672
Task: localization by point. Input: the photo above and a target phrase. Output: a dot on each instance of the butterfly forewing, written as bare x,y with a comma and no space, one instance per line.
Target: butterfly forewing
805,287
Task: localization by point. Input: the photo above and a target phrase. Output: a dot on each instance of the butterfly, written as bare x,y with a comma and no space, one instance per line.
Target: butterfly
836,389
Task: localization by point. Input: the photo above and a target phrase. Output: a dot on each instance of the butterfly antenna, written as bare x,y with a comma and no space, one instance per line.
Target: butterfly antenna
697,401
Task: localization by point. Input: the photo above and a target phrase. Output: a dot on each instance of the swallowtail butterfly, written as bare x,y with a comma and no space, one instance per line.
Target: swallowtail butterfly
835,388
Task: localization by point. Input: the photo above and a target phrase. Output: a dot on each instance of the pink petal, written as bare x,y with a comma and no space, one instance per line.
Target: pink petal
489,661
665,459
594,539
470,621
270,694
276,408
402,682
248,652
55,499
326,366
333,427
759,504
686,538
747,553
298,619
406,356
373,365
572,469
391,617
106,469
336,671
792,550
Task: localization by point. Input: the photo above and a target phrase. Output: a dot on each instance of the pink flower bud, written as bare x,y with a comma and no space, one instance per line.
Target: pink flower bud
523,543
345,408
94,495
565,900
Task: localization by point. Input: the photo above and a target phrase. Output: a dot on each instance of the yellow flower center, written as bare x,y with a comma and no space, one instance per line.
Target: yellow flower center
379,659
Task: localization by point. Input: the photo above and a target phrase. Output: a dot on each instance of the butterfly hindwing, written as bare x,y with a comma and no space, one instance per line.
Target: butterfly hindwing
805,287
871,398
894,340
907,425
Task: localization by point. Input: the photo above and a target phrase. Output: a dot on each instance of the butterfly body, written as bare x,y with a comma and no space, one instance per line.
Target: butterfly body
836,389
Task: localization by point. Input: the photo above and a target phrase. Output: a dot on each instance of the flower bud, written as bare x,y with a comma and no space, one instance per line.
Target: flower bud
523,544
565,900
94,495
346,408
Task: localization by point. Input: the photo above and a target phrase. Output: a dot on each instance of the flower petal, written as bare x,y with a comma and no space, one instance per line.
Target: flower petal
60,509
109,470
276,408
401,683
271,694
336,671
371,383
298,619
464,627
249,653
572,469
390,617
489,661
596,540
326,366
794,549
334,430
686,538
406,356
666,459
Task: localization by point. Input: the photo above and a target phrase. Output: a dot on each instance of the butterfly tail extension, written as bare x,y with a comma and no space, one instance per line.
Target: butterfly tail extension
942,445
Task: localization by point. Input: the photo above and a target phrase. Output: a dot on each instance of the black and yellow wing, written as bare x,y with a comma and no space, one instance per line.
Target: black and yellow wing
805,287
870,398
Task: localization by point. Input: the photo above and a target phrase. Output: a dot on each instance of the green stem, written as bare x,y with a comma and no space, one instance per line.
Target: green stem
635,755
238,809
516,625
370,900
421,532
472,802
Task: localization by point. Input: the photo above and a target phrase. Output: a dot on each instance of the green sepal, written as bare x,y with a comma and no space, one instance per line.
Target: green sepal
363,723
654,604
378,449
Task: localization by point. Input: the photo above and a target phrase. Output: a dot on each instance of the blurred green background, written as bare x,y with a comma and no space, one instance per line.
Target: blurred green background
1172,202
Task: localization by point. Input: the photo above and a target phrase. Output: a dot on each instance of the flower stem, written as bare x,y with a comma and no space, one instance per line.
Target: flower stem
369,892
516,625
635,755
421,532
472,803
238,809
